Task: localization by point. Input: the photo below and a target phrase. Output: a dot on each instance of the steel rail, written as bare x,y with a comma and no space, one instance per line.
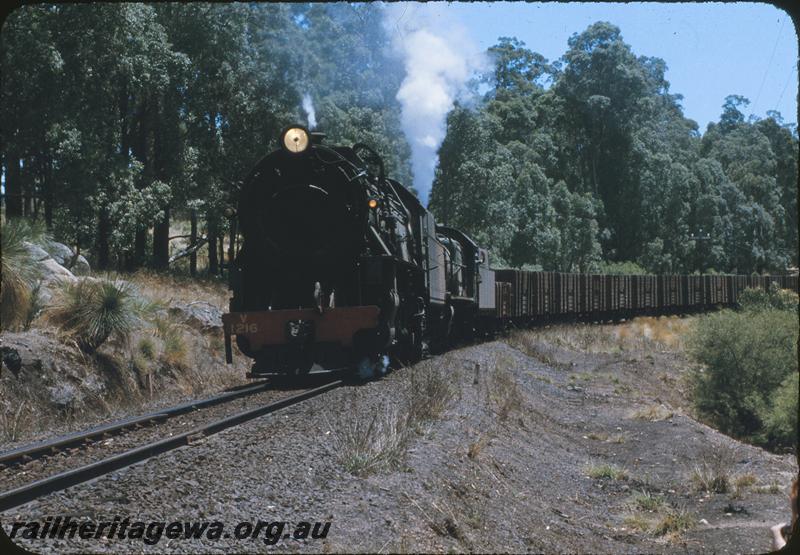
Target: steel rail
25,494
32,451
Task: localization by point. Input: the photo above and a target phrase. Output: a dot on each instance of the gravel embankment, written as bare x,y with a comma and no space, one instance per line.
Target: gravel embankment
504,468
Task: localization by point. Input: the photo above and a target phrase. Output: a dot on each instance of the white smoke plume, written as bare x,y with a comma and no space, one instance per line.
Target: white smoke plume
308,106
439,58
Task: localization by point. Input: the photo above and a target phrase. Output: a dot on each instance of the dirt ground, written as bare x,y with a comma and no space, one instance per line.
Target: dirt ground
564,439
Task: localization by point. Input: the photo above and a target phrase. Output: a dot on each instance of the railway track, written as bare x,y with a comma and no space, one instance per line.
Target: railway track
28,492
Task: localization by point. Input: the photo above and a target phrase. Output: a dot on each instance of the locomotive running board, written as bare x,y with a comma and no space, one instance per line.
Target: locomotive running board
270,327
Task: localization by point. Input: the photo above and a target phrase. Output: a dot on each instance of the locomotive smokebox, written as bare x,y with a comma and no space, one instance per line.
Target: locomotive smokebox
306,225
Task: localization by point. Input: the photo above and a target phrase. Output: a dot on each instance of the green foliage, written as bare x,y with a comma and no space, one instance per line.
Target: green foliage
94,310
122,116
619,268
780,414
19,274
749,360
604,166
754,299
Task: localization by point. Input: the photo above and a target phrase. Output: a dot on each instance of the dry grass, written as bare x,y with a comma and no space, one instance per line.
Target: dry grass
772,488
537,345
504,393
666,521
13,419
617,438
167,287
653,333
429,390
477,446
674,522
710,477
173,337
742,483
606,470
653,413
19,272
370,440
712,472
646,501
645,333
364,445
638,521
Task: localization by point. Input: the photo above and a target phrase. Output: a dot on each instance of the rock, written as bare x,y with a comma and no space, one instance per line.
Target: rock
63,395
37,252
730,508
52,275
81,266
94,384
59,252
53,271
201,315
11,359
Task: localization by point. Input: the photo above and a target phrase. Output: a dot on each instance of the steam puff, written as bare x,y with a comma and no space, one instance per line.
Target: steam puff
439,59
308,106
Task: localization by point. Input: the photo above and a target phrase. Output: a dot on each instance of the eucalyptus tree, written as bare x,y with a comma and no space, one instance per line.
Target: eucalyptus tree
30,108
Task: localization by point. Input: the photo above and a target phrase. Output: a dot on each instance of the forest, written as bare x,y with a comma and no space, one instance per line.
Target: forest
122,119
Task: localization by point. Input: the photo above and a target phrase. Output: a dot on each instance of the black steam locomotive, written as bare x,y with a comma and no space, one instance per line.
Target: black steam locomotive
342,267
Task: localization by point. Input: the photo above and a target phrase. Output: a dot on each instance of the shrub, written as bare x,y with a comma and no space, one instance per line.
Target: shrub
92,311
749,363
758,299
19,273
780,415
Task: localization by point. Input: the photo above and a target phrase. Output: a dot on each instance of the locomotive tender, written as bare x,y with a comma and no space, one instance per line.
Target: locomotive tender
341,266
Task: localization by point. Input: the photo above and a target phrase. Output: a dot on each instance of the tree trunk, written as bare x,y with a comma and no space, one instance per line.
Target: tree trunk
192,243
221,251
158,171
137,140
48,193
213,262
103,232
161,241
13,196
27,188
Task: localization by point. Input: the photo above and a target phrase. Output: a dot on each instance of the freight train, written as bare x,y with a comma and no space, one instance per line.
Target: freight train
342,267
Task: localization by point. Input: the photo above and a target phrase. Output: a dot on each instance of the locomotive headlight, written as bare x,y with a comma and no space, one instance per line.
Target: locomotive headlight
372,203
295,140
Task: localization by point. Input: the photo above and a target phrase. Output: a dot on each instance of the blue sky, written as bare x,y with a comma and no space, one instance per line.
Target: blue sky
711,49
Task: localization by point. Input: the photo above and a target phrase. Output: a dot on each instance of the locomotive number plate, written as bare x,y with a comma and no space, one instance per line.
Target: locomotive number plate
245,327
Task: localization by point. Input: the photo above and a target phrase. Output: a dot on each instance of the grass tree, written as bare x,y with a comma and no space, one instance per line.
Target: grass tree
92,311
